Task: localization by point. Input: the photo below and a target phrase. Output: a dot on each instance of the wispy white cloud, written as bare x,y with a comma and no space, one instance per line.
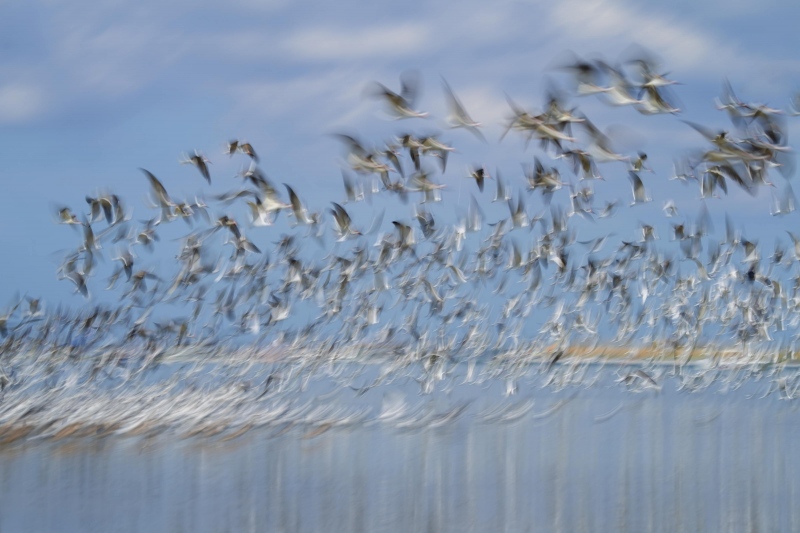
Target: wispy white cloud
328,43
118,50
20,102
614,22
320,98
115,59
255,6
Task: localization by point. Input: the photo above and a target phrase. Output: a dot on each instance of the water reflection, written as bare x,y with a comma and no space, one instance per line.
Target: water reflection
597,459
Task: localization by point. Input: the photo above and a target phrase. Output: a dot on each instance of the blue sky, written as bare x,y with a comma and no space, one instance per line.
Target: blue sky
90,91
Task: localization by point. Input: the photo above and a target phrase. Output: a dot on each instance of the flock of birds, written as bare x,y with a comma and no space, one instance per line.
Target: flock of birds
429,292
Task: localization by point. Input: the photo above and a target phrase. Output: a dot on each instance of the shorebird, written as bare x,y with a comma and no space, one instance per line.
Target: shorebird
200,162
638,164
784,203
459,118
264,210
247,149
126,260
548,181
639,193
108,206
583,164
431,144
231,147
162,198
401,105
587,75
556,112
478,174
654,102
426,222
501,191
600,146
518,214
538,126
4,318
719,173
360,159
421,183
406,239
66,216
669,208
620,92
353,190
147,235
342,223
649,76
301,214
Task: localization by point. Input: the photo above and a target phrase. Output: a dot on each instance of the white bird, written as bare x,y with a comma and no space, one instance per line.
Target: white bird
639,193
459,118
402,105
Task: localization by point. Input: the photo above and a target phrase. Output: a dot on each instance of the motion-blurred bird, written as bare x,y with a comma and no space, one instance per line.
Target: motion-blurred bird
458,117
199,161
401,105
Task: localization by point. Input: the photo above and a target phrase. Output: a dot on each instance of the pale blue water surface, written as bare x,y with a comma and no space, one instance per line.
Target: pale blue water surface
467,457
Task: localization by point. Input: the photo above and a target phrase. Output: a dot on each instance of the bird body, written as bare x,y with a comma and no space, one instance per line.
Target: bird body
401,105
199,161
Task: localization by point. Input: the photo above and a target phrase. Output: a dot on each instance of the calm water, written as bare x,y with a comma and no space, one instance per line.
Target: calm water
577,459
